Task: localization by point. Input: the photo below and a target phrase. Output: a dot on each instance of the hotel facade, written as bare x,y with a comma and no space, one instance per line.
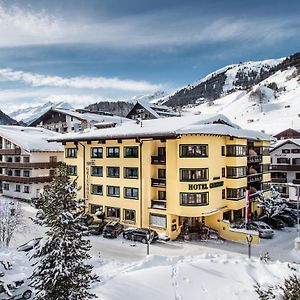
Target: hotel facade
171,173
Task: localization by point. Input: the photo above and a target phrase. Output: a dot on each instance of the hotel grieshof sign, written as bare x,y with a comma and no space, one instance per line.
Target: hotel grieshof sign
204,186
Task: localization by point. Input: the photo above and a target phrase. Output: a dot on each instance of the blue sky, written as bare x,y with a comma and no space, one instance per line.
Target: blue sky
85,51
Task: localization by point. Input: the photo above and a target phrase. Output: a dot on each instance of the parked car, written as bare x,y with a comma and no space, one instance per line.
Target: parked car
29,245
112,229
140,235
97,229
274,222
288,220
292,213
19,291
264,230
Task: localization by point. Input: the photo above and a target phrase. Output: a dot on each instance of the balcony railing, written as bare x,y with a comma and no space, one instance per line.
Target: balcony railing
279,180
37,165
158,160
26,180
16,151
254,159
158,182
159,204
255,177
285,167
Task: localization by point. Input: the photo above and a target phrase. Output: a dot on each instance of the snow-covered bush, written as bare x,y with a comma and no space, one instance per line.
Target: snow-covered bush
10,219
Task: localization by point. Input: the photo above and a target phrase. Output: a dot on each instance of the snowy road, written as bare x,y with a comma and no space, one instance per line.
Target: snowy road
279,248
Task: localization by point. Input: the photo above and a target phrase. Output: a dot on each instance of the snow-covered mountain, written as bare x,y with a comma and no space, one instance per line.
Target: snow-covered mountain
262,95
31,113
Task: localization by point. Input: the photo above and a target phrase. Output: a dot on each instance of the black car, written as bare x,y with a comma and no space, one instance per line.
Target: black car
274,222
112,229
288,220
141,235
97,229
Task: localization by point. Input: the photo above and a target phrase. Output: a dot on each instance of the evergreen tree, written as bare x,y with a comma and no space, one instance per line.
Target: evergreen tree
61,271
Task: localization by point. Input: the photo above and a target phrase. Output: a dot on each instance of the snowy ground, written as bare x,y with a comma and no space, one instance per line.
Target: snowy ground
176,270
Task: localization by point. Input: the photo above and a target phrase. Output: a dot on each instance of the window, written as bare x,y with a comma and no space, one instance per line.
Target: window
223,150
130,152
131,193
295,150
17,159
96,189
233,150
113,152
161,151
113,191
266,186
6,186
96,152
162,195
129,215
26,159
286,151
265,151
193,199
223,172
72,170
223,194
283,160
236,172
113,212
296,161
26,189
18,188
53,159
95,207
193,174
236,194
18,173
113,172
131,173
158,220
97,171
26,173
193,151
161,173
71,152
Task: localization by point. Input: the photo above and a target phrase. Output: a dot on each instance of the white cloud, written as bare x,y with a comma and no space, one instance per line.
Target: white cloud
83,82
26,27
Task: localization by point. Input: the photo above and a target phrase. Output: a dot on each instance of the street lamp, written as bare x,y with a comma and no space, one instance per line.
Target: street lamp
148,243
249,238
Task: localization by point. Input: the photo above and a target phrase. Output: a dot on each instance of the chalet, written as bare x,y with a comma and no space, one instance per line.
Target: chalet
288,134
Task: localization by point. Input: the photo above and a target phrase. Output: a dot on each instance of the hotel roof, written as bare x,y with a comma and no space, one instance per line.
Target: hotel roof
168,127
31,138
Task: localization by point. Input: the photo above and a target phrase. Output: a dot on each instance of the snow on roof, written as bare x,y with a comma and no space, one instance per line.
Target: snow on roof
173,126
280,143
30,138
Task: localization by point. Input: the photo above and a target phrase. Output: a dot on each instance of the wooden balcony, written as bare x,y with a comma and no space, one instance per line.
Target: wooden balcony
254,159
26,180
37,165
158,160
255,177
159,204
16,151
158,182
285,167
279,180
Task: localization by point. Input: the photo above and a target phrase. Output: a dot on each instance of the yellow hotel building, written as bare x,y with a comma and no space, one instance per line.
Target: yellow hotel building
170,173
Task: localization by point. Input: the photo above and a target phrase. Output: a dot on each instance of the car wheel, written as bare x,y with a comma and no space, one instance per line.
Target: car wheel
27,295
144,241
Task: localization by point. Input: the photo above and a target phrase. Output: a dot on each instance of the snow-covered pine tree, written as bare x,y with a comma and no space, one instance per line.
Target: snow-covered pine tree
61,270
